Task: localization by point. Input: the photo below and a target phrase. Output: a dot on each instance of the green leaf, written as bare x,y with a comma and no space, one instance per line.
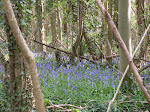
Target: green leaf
77,110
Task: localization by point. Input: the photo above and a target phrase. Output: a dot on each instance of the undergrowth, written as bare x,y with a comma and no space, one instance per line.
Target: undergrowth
87,85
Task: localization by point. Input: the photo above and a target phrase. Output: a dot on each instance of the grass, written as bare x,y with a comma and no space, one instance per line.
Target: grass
87,85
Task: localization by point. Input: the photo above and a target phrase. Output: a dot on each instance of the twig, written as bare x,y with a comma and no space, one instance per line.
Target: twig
100,50
133,102
60,106
117,55
145,67
142,59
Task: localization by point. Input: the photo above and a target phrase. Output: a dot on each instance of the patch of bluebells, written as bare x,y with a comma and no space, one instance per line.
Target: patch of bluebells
76,80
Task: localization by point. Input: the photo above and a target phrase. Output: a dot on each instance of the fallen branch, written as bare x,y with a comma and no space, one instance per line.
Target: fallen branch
66,52
143,102
61,106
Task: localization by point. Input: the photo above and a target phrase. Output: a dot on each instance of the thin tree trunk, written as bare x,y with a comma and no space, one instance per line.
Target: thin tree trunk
53,25
125,50
65,26
43,26
59,22
109,38
27,54
79,25
88,45
141,27
38,36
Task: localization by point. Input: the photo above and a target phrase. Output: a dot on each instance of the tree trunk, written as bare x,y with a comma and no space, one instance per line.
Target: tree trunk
26,53
38,35
141,20
65,25
59,22
79,28
43,26
109,37
115,15
124,30
125,51
19,82
53,25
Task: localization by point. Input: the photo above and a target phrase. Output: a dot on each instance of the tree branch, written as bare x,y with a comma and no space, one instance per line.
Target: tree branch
66,52
145,67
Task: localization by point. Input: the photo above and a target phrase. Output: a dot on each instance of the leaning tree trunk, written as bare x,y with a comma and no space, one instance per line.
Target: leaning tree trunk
18,82
88,45
26,53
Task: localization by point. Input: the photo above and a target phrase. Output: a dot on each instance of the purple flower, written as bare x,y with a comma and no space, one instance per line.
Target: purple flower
66,91
45,83
113,86
73,87
89,82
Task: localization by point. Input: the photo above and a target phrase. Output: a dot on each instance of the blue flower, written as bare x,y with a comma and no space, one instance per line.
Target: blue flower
94,85
45,83
73,87
66,91
113,86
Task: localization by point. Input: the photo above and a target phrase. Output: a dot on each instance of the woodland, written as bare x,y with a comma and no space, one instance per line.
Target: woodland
75,55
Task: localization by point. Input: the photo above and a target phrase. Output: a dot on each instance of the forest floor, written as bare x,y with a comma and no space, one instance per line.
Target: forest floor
86,87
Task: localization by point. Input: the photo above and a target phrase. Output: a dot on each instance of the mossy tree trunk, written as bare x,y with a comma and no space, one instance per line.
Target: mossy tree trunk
17,72
19,82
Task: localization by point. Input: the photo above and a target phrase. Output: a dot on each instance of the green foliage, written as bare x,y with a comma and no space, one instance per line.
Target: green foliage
68,85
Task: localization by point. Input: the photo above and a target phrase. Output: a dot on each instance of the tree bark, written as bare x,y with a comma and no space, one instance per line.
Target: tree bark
59,22
38,35
53,25
27,54
109,37
124,30
125,50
